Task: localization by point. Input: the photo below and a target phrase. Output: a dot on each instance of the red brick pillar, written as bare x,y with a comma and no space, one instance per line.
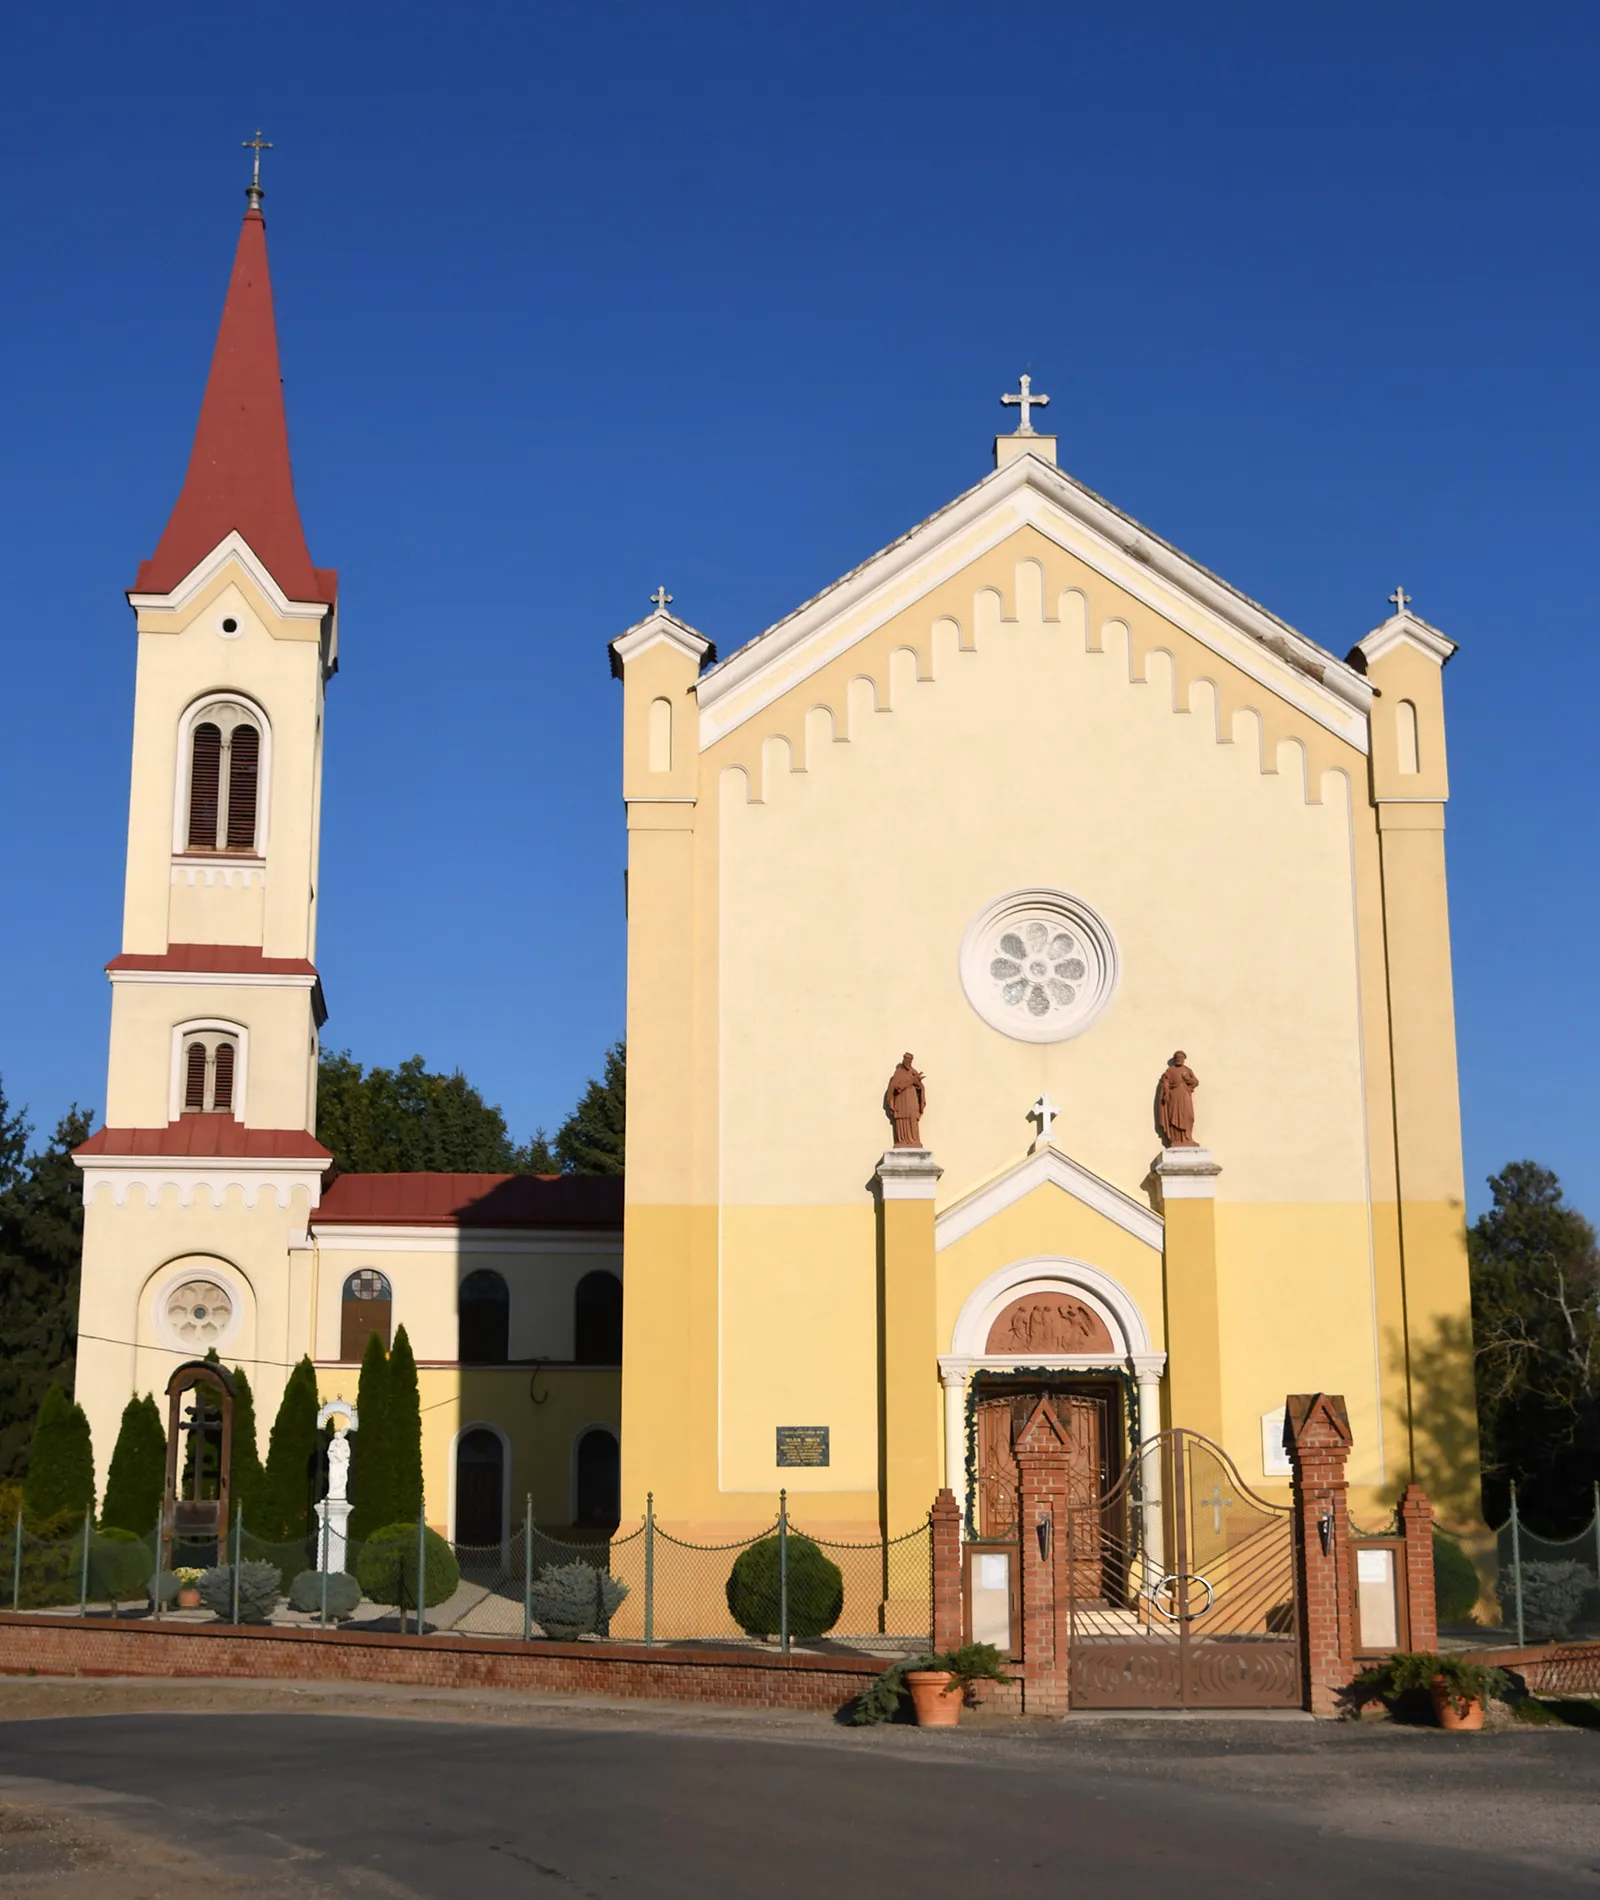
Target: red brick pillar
1317,1438
944,1521
1042,1452
1416,1527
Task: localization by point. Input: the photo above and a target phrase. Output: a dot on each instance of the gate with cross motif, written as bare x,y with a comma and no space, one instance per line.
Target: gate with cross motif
1189,1599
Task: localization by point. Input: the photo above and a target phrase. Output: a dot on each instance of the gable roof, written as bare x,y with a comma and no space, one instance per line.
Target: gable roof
1098,533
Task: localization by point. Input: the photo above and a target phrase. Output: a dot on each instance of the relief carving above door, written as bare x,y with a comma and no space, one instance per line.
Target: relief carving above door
1049,1323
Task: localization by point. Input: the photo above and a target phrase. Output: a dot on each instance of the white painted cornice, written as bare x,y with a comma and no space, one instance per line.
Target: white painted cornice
1053,1166
253,1175
1406,629
652,631
218,979
1031,492
233,548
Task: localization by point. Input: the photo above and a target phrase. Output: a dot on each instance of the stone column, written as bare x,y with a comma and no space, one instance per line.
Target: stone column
1147,1371
910,1455
944,1522
1188,1178
1042,1455
1317,1438
1416,1526
955,1434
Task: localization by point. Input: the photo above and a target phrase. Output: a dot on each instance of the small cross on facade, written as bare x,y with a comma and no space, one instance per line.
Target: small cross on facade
661,599
1026,401
1401,599
258,145
1044,1111
1215,1503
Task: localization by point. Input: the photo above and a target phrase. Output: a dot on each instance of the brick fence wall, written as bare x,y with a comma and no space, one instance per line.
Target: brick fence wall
63,1646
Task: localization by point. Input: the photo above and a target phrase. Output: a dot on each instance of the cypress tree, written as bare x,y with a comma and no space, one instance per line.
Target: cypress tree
138,1469
404,1425
61,1459
286,1515
371,1465
246,1476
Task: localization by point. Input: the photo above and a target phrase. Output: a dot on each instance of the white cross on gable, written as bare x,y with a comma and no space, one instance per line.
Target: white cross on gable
661,598
1401,599
1024,402
1044,1111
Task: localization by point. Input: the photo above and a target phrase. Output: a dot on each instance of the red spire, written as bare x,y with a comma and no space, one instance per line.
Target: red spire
239,470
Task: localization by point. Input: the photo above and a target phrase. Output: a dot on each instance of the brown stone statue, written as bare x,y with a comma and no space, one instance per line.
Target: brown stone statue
904,1102
1175,1103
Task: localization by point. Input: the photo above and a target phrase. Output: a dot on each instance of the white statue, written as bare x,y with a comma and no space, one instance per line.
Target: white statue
338,1468
333,1513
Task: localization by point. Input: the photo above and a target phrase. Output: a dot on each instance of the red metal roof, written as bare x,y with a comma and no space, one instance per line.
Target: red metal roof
209,1137
231,959
473,1200
239,476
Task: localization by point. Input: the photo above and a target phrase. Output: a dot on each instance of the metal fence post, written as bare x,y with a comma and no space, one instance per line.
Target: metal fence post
1597,1532
323,1567
783,1571
649,1568
16,1566
161,1564
1516,1564
83,1581
527,1571
238,1555
422,1561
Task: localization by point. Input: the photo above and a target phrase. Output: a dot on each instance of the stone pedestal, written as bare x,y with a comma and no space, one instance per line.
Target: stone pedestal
911,1455
333,1543
1188,1178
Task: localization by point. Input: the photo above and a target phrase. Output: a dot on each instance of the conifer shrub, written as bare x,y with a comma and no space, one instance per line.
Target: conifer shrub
816,1589
386,1567
572,1600
1552,1595
138,1473
371,1460
52,1557
259,1588
120,1564
1456,1585
245,1474
344,1593
60,1461
288,1482
404,1429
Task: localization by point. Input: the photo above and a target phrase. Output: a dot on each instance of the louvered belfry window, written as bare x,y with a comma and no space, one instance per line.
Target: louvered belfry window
210,1062
224,782
194,1077
222,1078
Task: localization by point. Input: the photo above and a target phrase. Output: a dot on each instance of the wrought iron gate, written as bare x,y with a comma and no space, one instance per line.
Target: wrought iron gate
1183,1587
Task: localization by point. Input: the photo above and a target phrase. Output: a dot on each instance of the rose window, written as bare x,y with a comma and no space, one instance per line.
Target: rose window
1039,965
198,1311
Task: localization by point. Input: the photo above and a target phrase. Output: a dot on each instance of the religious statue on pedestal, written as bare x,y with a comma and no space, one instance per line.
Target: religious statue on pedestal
1175,1103
904,1102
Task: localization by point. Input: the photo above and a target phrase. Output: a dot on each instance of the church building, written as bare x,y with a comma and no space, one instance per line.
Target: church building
1038,984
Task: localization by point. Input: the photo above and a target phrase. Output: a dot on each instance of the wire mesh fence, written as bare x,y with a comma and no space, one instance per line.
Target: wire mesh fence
781,1587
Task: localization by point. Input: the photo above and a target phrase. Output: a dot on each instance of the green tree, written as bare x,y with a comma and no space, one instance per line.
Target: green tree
404,1426
138,1472
290,1475
61,1459
590,1140
246,1478
538,1156
41,1242
371,1463
408,1121
1536,1327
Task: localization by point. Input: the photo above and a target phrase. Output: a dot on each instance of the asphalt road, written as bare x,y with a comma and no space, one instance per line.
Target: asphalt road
328,1805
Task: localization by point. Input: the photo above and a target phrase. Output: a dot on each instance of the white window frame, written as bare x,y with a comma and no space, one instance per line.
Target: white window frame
194,715
209,1026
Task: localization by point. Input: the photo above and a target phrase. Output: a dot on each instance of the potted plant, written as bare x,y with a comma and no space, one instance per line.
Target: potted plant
1458,1689
938,1685
188,1586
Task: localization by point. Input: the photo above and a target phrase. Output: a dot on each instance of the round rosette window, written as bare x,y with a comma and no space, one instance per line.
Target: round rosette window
1039,965
199,1312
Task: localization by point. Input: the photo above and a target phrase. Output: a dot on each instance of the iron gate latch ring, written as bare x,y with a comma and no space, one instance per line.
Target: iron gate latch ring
1173,1578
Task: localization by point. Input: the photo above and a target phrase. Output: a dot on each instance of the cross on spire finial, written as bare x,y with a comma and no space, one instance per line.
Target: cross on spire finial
258,145
1026,401
1401,599
661,599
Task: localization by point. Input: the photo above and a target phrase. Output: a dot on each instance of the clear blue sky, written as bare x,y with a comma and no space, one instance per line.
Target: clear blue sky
577,300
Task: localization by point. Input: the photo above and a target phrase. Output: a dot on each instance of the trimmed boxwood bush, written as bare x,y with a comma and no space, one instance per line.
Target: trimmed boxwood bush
344,1593
816,1589
386,1567
120,1565
259,1587
1456,1585
571,1600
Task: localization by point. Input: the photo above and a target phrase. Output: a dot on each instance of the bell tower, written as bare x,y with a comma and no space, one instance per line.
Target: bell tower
198,1188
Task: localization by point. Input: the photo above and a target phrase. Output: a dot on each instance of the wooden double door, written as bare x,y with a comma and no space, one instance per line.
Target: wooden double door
1090,1413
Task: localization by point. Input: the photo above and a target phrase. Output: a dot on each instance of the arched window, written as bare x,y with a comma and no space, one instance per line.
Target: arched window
597,1320
210,1061
1405,729
366,1308
485,1305
223,806
480,1487
599,1499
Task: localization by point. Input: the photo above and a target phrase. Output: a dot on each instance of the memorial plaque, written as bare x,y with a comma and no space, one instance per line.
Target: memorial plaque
802,1444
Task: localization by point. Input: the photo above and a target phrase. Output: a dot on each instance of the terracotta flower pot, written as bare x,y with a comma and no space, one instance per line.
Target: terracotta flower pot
936,1696
188,1597
1455,1712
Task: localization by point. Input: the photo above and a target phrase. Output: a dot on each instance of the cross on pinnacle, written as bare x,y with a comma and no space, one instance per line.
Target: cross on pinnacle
1025,402
1401,599
258,145
661,599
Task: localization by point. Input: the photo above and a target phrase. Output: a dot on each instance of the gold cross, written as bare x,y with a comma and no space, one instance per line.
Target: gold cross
258,145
